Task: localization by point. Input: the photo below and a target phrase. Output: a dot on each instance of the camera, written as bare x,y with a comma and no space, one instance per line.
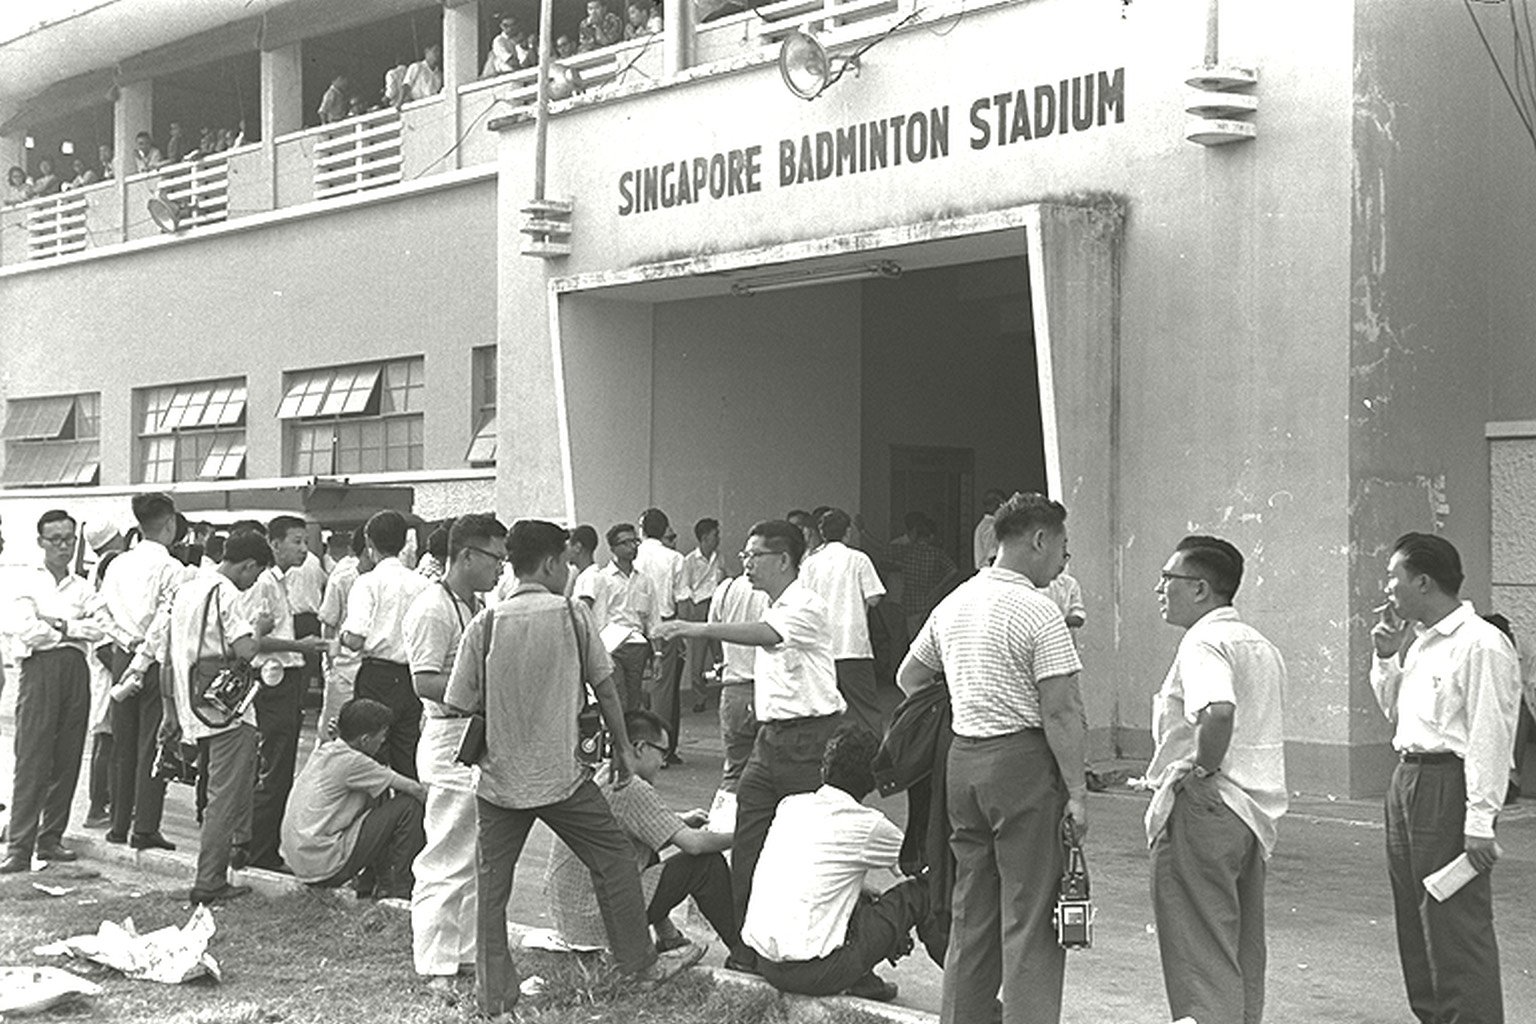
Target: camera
1074,909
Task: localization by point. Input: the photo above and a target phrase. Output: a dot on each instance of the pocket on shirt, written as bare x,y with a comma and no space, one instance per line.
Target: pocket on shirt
1448,699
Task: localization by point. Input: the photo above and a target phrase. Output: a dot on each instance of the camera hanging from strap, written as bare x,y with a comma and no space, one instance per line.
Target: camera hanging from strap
1074,909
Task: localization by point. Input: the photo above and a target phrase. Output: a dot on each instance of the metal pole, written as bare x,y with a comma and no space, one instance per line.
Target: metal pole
1212,34
541,110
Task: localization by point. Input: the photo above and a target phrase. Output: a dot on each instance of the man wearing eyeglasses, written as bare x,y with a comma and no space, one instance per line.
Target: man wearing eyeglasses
624,603
1451,684
51,620
794,694
443,895
1218,775
1015,766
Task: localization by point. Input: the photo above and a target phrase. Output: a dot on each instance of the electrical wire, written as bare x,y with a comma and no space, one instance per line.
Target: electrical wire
1498,66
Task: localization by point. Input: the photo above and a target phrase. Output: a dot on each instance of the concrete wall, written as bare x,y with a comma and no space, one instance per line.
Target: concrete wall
1425,366
371,282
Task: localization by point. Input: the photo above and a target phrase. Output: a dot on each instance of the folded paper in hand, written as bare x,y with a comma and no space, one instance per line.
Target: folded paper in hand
1447,882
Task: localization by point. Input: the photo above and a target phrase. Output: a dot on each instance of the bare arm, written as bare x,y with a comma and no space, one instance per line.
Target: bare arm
431,685
914,675
405,784
748,634
698,841
1213,734
612,710
1061,712
352,641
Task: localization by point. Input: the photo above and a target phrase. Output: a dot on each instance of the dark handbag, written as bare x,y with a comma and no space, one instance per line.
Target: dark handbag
472,747
222,687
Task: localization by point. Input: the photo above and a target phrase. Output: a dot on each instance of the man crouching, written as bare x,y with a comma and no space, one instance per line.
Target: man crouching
817,923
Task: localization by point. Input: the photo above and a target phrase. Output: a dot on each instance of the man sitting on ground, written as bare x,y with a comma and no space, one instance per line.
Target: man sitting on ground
698,869
814,918
330,835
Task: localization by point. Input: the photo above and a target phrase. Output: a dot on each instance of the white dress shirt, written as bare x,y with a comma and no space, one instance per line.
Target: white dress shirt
702,575
625,606
305,584
139,583
846,580
36,594
737,600
811,870
376,609
269,594
664,568
796,678
1221,659
333,612
1457,689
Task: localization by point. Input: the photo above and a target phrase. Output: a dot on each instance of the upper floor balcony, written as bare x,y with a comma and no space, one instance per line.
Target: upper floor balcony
393,143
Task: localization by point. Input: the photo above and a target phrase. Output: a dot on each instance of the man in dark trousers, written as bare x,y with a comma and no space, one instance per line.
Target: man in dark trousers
51,621
1450,681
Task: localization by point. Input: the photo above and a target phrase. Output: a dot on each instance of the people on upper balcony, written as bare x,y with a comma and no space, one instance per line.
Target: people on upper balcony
510,50
177,146
18,187
422,78
564,81
334,105
108,161
637,20
80,175
47,181
146,157
601,27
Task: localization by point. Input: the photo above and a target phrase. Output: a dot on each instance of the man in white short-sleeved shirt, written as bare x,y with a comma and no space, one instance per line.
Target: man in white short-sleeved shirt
443,898
374,627
1219,778
1015,766
794,691
627,611
846,579
663,566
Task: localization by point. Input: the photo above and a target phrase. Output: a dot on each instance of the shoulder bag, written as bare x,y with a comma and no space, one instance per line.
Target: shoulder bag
223,686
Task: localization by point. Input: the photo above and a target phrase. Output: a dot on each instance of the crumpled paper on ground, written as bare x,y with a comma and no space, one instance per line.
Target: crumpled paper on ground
170,955
33,989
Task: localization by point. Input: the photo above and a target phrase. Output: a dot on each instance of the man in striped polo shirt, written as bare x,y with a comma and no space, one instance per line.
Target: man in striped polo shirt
1015,768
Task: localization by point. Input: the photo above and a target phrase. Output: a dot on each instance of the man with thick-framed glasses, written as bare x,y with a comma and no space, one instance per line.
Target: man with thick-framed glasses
794,694
1218,776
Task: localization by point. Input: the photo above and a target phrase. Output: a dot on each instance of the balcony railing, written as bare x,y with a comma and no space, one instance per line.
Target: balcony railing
359,153
387,147
55,225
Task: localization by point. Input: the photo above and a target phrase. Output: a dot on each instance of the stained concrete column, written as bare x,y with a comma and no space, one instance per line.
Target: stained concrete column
461,43
677,19
132,113
282,91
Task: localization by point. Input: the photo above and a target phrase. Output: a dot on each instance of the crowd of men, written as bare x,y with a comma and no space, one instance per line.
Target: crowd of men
520,637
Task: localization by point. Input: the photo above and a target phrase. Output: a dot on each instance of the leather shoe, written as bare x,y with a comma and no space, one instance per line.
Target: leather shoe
872,986
15,864
239,858
97,819
219,895
744,962
116,838
150,841
667,966
56,854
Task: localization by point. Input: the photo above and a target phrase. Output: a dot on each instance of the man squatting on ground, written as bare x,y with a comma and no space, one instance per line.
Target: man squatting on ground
1015,767
1218,776
443,901
1451,684
525,664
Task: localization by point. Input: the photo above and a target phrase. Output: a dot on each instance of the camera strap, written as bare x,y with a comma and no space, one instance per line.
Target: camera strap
1074,873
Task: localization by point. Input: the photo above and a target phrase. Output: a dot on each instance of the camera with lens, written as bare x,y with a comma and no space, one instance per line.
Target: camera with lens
1074,908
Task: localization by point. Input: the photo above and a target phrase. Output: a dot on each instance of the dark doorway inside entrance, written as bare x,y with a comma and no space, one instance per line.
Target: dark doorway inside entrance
941,483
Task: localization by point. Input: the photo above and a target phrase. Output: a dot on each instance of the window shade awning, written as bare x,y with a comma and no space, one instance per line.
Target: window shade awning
483,447
37,419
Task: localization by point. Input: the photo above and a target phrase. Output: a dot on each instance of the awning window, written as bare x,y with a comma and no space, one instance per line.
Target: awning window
483,448
37,419
226,460
53,463
339,391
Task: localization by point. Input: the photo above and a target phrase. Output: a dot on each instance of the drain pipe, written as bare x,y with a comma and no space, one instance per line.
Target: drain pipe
541,109
546,222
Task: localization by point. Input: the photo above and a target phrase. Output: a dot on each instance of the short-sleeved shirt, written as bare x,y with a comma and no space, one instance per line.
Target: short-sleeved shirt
796,677
1222,659
269,595
664,568
648,824
376,609
702,574
995,638
625,607
305,584
226,623
326,808
434,625
846,580
811,870
737,600
519,665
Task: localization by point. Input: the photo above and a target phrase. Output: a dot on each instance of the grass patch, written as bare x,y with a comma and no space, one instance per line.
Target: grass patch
319,957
